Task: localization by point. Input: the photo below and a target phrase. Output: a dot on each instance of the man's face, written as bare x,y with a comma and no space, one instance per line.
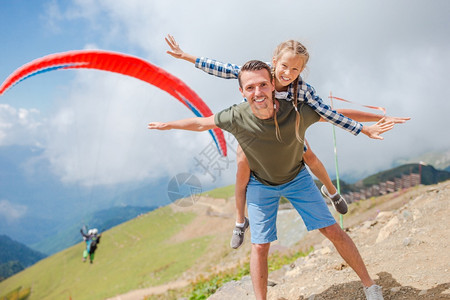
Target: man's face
257,89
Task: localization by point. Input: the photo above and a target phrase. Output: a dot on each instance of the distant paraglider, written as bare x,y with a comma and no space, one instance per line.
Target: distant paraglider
92,239
122,64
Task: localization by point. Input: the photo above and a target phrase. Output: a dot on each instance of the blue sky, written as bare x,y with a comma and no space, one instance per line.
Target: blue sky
92,125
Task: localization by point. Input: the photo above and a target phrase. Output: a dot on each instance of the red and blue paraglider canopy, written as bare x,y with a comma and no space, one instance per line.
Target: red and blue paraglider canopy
122,64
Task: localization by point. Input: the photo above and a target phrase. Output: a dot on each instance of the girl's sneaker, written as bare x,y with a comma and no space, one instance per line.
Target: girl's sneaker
338,202
238,235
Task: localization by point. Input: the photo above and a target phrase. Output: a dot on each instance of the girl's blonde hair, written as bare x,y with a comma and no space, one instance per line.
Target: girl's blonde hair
298,49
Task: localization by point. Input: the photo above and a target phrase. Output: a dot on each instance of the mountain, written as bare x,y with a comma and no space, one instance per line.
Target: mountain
108,218
151,249
172,247
35,205
15,256
10,268
429,175
438,159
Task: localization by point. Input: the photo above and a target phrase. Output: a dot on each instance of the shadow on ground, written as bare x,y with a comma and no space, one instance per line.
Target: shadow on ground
392,290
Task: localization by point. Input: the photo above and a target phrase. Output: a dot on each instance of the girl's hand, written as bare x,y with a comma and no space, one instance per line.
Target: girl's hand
176,50
380,127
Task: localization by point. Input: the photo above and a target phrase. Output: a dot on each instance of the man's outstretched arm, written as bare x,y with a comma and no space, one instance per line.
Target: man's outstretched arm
362,116
192,124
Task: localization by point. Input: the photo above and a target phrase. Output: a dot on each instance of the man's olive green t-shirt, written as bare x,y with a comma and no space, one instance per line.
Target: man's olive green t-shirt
272,162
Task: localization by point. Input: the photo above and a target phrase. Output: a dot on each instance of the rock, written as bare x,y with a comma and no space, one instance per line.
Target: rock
368,224
232,290
416,214
407,241
387,229
325,250
406,214
421,293
340,266
384,216
294,272
271,283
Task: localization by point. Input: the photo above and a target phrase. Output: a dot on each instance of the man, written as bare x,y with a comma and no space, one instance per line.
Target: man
92,239
265,129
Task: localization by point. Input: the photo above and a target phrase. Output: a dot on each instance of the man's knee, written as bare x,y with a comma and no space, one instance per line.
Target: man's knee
333,232
261,249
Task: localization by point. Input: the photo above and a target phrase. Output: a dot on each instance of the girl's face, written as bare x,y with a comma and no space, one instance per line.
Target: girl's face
287,68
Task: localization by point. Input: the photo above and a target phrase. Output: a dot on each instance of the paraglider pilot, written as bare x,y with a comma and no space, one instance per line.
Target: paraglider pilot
92,239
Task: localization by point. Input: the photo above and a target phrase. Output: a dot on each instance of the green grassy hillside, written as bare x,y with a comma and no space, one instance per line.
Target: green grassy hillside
102,219
133,255
222,192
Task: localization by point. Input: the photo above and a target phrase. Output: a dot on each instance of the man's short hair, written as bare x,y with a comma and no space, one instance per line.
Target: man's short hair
254,65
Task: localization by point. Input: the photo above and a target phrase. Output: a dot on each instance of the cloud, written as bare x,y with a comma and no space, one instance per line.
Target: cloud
390,54
99,133
19,126
10,211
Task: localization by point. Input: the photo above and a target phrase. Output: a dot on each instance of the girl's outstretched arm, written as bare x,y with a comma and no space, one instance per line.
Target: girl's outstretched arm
191,124
176,50
210,66
307,94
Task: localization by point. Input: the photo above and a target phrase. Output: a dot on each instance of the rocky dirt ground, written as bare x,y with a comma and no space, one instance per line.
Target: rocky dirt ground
404,243
403,239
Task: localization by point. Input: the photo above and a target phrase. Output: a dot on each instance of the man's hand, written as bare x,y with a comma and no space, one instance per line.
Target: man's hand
191,124
380,127
158,126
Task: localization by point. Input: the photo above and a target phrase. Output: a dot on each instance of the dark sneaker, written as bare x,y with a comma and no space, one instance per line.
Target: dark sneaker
338,202
374,292
238,235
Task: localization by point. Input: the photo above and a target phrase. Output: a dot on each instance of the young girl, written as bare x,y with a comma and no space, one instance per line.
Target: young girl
289,60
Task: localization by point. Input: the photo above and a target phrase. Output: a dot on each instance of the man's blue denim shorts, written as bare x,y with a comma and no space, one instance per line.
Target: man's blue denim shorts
263,200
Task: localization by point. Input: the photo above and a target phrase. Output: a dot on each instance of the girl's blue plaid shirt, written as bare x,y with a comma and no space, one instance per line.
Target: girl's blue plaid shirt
306,93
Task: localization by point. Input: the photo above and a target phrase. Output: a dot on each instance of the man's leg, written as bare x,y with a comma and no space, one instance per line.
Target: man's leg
347,249
306,199
242,177
259,269
262,203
